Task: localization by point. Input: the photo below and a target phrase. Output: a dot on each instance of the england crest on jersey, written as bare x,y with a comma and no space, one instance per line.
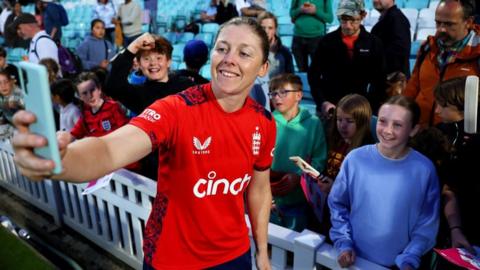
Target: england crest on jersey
106,125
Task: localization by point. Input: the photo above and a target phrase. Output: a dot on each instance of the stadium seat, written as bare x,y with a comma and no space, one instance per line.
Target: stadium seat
287,41
306,86
426,18
285,29
412,16
372,18
417,4
177,54
284,20
185,37
423,33
205,37
414,48
433,4
210,28
171,36
205,72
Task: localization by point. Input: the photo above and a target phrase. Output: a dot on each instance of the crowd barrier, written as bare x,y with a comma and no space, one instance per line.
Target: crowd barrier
114,218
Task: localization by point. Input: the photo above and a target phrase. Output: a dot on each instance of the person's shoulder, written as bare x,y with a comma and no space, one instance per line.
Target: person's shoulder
195,95
259,109
421,160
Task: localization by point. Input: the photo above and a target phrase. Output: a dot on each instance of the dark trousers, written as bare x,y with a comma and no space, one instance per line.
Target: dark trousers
302,48
243,262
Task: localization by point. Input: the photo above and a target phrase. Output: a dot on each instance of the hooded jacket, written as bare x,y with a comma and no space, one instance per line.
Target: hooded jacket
427,74
302,136
92,51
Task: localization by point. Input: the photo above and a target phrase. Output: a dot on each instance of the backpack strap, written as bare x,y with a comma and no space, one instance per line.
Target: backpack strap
106,49
35,45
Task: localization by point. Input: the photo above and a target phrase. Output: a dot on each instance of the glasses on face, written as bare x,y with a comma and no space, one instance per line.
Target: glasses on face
348,19
280,93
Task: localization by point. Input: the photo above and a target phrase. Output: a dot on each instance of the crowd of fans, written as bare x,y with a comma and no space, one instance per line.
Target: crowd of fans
389,199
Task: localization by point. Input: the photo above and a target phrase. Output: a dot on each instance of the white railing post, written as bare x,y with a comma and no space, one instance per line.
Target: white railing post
305,246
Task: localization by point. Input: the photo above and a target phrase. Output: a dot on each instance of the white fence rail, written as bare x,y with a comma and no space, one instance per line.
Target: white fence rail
114,218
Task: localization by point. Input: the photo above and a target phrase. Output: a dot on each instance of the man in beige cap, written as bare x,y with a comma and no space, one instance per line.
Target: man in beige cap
348,60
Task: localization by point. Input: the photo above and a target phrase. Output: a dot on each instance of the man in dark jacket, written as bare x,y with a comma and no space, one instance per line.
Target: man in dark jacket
348,60
393,29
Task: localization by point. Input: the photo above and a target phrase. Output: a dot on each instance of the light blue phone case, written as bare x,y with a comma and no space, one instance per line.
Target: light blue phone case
34,82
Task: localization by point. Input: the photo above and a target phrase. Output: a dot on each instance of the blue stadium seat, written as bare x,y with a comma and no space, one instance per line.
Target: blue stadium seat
205,72
307,94
177,54
412,64
185,37
210,28
414,48
287,41
418,4
285,29
171,36
205,37
284,20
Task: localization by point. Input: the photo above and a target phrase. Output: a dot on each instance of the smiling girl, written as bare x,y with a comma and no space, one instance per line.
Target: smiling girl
385,201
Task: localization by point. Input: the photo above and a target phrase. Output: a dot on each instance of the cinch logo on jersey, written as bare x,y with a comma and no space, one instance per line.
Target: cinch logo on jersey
212,186
150,115
201,147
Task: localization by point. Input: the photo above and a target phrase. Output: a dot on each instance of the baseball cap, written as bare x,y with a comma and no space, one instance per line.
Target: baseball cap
195,53
350,7
24,18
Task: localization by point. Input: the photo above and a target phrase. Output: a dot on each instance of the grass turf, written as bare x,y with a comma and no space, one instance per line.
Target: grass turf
16,254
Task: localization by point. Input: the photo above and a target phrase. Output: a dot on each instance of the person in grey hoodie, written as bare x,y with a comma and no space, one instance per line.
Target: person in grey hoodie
95,51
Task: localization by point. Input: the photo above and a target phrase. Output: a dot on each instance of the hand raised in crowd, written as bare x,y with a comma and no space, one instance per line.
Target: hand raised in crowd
328,109
143,42
24,141
459,240
346,258
325,183
104,63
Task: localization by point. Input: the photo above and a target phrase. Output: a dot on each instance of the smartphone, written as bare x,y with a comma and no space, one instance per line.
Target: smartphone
306,168
34,83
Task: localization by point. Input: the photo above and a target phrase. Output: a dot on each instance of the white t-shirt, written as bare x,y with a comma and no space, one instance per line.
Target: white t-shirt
3,18
45,48
69,116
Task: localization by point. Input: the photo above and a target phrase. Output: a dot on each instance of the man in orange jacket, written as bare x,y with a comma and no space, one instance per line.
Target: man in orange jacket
453,52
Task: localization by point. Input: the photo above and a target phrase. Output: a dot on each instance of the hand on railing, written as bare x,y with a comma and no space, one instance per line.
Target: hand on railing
346,258
24,142
262,261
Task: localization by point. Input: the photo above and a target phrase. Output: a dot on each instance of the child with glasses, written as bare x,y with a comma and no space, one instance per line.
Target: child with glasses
299,133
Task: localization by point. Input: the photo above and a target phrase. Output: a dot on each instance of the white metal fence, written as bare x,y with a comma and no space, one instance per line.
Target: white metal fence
114,217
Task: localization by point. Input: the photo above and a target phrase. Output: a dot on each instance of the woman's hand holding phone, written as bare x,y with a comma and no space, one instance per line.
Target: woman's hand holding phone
24,142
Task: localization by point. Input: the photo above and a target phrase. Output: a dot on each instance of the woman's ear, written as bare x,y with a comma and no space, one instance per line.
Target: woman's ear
263,69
